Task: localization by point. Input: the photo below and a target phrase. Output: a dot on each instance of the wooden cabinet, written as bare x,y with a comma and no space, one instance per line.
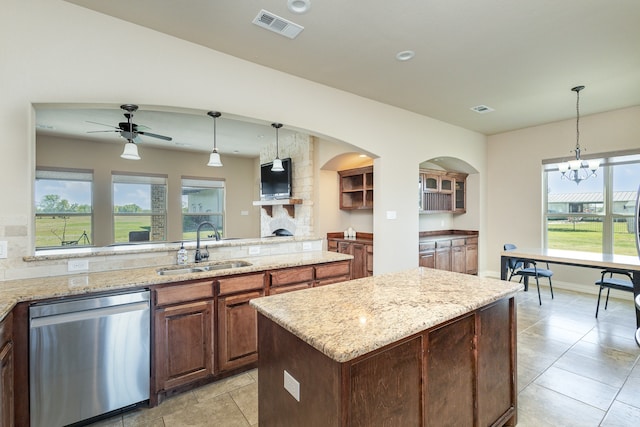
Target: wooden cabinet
361,247
237,320
356,188
452,253
442,191
291,279
183,334
7,416
333,272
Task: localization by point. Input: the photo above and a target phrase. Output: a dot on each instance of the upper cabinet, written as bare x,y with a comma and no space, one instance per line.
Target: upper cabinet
356,188
442,191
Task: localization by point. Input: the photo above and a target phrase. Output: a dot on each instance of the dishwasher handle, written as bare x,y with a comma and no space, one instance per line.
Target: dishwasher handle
78,316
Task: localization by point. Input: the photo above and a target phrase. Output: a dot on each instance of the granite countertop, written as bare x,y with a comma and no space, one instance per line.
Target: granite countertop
15,291
435,238
360,316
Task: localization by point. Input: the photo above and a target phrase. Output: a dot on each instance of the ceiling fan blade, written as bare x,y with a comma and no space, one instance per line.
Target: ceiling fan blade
101,124
154,135
100,131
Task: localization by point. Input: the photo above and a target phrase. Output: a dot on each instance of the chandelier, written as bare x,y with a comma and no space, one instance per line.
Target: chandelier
578,170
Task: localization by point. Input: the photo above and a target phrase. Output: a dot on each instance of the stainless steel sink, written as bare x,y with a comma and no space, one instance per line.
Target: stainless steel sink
172,271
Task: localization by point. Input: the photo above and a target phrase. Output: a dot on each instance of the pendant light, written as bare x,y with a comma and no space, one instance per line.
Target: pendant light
214,158
576,170
277,163
130,151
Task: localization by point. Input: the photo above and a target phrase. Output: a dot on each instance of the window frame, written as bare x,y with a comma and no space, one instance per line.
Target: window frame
204,183
608,217
143,179
65,174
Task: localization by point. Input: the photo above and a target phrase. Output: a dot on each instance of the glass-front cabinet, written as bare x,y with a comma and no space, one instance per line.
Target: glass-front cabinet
442,191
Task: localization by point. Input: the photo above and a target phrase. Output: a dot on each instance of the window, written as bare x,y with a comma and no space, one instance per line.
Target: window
64,215
139,208
596,215
202,200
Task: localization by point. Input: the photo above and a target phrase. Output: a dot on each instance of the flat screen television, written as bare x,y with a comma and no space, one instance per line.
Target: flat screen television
275,185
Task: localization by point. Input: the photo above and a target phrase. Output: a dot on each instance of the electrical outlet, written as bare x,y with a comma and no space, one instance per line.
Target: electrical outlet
78,265
307,246
292,386
392,215
3,249
254,250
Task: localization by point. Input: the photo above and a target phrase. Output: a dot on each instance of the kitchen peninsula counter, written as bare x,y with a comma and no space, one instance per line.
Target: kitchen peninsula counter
404,348
20,290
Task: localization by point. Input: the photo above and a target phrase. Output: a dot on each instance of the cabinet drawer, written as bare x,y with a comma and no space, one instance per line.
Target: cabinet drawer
289,288
472,240
184,292
443,243
235,284
331,280
427,246
291,275
333,269
458,242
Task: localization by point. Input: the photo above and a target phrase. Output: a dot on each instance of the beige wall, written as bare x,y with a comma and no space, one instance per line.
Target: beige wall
514,198
238,173
54,52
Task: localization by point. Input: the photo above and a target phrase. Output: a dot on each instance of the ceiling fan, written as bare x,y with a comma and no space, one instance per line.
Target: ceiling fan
129,130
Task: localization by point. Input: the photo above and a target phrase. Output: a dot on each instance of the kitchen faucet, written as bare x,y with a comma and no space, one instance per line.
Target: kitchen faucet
199,257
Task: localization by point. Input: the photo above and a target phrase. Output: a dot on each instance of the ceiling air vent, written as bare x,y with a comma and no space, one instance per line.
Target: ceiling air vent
482,109
277,24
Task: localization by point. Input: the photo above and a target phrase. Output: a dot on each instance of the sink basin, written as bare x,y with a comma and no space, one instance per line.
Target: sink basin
222,265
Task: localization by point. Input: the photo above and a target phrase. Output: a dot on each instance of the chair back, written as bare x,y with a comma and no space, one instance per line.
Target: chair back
512,263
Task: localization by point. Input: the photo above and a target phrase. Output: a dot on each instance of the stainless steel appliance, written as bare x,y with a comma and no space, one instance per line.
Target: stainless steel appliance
87,357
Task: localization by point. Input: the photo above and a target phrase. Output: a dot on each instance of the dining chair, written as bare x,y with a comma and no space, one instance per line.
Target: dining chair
526,268
613,282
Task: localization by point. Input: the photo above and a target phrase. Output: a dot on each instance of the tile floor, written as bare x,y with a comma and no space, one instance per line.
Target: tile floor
573,370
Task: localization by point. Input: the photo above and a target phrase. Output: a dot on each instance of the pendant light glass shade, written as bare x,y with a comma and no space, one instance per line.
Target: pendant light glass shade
214,157
277,163
130,151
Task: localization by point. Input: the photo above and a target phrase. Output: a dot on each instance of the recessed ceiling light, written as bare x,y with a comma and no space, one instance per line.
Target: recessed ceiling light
405,55
482,109
299,6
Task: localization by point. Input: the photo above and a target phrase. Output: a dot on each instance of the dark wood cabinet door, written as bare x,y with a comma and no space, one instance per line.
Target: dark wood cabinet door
6,385
7,400
428,259
183,343
459,259
496,363
451,374
443,258
237,331
472,259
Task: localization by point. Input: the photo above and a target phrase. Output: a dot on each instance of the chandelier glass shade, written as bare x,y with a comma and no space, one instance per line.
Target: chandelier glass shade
578,170
214,157
130,151
277,163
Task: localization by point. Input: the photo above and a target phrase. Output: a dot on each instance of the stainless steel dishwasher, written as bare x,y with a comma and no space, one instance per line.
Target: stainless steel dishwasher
87,357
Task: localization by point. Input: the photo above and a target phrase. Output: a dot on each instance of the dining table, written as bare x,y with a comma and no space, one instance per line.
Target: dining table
580,259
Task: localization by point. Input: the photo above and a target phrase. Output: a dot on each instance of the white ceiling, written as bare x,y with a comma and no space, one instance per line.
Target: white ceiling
520,58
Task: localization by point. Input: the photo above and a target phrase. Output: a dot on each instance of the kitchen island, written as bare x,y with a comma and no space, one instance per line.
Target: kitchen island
421,347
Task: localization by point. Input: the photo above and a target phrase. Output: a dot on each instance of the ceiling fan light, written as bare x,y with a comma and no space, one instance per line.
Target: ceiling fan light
277,165
130,151
594,164
214,159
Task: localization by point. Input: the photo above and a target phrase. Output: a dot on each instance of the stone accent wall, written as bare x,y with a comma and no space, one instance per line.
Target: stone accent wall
299,148
158,206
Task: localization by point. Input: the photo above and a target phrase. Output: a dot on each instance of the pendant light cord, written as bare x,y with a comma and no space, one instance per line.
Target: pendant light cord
577,119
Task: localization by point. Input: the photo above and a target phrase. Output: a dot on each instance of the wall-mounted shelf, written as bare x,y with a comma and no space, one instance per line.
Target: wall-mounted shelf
287,204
